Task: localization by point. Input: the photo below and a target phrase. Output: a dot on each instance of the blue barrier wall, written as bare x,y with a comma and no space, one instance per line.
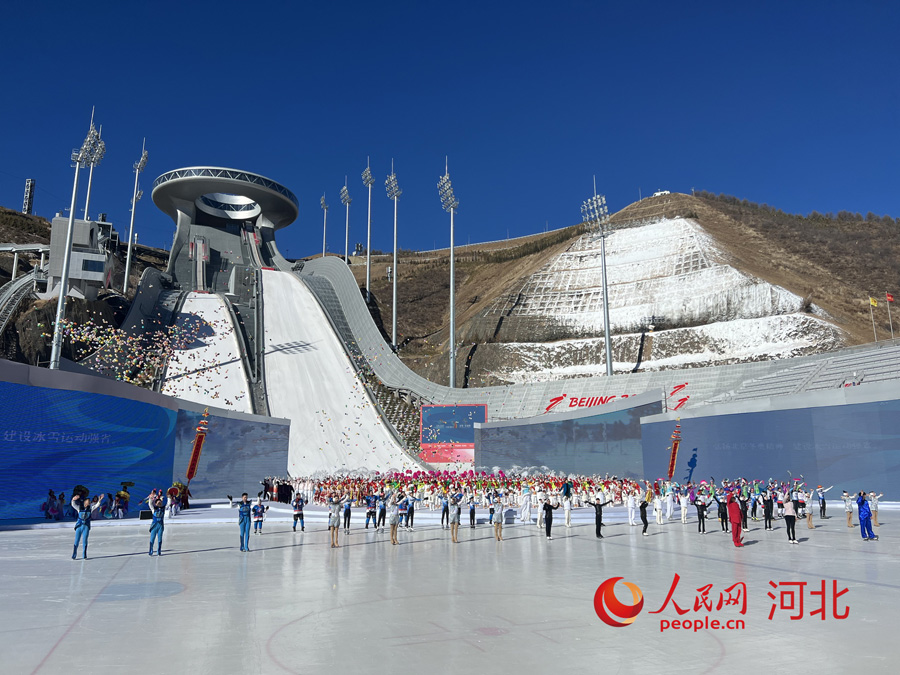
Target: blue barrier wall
851,446
56,439
236,455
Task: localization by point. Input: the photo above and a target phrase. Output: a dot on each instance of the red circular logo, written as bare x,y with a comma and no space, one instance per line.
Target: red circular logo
607,605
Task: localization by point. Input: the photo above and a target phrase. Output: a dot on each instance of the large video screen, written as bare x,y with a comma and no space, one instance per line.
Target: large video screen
602,443
54,439
448,432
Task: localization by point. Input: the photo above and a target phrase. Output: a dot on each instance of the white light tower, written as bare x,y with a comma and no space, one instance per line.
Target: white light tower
394,192
596,216
92,162
450,203
345,200
324,222
90,150
368,181
138,167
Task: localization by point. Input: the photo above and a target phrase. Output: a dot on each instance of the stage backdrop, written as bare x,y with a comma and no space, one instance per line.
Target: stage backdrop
606,440
851,445
56,439
239,451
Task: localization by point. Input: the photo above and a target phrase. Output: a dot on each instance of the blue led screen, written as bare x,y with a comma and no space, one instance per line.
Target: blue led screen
56,439
853,446
601,443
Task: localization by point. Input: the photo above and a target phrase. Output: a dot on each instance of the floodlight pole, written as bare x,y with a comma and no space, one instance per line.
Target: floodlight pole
345,200
393,192
324,222
450,203
138,167
91,149
595,214
368,181
87,200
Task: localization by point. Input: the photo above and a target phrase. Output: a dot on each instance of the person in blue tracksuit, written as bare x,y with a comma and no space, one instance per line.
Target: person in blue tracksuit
158,509
82,507
371,506
382,511
298,504
258,511
347,513
411,512
865,518
243,508
445,511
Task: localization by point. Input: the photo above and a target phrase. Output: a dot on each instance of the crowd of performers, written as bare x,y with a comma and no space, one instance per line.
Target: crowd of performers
392,501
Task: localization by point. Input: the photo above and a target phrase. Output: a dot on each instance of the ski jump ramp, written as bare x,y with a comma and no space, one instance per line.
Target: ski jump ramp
210,370
311,381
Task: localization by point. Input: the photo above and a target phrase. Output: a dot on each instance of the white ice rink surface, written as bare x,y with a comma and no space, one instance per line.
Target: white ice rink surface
295,605
310,380
210,370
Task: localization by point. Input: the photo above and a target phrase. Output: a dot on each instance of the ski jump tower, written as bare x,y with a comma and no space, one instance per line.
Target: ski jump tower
225,224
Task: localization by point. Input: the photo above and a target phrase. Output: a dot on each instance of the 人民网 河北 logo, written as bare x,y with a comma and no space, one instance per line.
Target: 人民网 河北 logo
611,610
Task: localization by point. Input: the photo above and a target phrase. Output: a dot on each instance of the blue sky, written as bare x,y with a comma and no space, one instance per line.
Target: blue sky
790,103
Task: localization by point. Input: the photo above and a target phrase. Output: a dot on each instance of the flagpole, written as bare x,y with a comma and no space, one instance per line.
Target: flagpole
872,312
888,302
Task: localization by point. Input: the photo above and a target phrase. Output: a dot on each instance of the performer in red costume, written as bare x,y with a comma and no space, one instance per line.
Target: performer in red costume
735,516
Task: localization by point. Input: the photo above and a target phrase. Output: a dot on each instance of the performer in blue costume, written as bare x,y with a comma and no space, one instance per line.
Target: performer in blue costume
82,506
158,508
243,508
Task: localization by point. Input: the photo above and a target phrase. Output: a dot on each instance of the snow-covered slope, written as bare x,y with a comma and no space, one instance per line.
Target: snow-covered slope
710,312
310,380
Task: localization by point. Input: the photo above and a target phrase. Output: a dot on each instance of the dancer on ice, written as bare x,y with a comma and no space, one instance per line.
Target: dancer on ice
548,510
82,507
297,504
848,507
371,505
865,517
158,526
394,517
243,508
735,516
454,519
820,492
334,517
873,506
259,515
598,512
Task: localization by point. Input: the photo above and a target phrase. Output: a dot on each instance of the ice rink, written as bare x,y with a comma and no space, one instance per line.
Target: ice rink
524,605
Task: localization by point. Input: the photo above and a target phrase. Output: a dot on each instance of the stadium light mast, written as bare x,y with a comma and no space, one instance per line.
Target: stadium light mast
91,150
368,181
92,162
324,221
394,192
136,197
345,200
450,203
596,217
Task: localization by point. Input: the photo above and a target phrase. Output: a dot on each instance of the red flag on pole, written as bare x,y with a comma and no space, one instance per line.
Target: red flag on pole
890,298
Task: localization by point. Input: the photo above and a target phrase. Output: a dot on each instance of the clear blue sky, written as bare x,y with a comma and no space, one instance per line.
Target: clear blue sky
795,104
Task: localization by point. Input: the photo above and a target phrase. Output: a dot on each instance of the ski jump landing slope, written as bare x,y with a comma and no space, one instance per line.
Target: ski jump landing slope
311,381
210,370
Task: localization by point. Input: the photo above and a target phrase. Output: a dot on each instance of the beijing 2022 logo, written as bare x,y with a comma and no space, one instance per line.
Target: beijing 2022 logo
606,603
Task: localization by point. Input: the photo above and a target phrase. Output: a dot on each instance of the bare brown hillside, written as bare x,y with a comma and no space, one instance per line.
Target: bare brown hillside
835,262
